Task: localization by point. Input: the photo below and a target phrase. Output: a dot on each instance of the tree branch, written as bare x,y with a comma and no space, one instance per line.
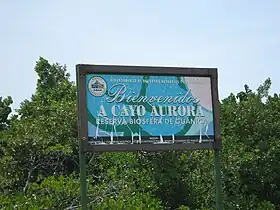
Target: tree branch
29,177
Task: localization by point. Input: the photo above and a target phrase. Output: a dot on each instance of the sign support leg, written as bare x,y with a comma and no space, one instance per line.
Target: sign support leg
83,183
218,181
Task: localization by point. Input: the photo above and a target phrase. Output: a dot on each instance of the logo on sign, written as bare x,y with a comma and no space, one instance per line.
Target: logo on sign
97,86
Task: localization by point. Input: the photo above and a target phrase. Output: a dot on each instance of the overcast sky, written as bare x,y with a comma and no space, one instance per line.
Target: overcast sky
240,38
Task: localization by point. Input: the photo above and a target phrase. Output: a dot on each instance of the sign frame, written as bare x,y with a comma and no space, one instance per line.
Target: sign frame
83,69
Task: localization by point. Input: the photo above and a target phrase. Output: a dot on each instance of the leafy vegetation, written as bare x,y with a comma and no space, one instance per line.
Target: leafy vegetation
39,165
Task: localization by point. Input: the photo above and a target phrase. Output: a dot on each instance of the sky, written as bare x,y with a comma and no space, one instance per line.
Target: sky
240,38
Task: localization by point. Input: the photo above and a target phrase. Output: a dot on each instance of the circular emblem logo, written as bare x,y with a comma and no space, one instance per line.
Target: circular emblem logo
97,86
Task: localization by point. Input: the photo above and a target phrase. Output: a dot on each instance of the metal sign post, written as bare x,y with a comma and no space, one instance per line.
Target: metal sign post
218,180
140,108
83,183
82,152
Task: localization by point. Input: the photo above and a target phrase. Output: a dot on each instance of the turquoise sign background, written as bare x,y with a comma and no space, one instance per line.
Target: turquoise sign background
122,108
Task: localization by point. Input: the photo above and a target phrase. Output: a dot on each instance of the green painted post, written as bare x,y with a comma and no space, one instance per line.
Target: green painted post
83,182
219,195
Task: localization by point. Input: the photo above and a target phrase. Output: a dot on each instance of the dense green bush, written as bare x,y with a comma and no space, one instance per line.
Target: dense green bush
39,157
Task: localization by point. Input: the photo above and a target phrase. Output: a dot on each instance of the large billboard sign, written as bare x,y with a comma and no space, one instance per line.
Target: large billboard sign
129,108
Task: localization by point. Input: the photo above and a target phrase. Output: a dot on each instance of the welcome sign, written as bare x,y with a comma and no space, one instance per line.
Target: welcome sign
126,108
